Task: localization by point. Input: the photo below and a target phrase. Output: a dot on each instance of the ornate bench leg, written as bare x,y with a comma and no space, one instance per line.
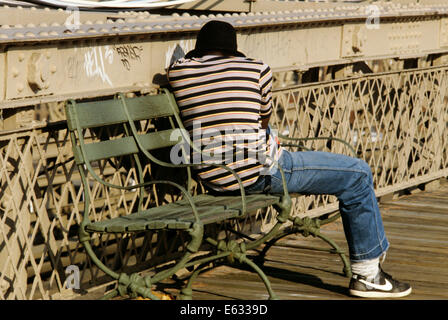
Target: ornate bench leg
308,226
261,274
347,269
260,259
187,292
196,233
233,250
110,295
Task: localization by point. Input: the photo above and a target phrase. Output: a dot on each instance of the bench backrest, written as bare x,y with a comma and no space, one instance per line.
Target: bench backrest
98,114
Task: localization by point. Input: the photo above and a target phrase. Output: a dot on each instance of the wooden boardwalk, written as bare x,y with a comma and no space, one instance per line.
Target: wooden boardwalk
416,226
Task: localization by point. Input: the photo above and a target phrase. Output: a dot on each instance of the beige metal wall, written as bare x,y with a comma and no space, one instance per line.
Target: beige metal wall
47,61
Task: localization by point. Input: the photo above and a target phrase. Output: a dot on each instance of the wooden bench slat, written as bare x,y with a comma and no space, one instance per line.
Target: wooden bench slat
103,113
142,222
107,149
179,215
127,145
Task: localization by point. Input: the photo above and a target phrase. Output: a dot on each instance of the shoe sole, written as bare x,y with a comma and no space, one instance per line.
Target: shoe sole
379,294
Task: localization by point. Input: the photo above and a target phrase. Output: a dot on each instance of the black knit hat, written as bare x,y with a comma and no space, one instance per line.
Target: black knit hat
215,36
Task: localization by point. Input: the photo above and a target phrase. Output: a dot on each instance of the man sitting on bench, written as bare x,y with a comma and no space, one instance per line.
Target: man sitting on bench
224,96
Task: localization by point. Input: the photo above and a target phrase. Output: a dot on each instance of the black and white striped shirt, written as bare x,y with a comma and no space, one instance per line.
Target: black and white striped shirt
222,101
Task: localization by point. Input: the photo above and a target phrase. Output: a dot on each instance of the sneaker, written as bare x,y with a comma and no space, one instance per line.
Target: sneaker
383,286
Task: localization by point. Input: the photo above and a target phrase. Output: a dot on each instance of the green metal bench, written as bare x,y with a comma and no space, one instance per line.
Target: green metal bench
190,214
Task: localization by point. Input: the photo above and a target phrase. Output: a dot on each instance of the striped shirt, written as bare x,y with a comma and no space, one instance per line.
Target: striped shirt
222,101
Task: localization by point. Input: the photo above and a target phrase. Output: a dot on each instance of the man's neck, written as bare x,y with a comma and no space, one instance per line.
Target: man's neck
218,53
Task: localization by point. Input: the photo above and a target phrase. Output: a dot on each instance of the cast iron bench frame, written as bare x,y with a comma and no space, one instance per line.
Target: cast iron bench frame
189,214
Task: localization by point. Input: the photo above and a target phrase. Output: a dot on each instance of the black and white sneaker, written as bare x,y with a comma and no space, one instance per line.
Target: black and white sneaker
383,286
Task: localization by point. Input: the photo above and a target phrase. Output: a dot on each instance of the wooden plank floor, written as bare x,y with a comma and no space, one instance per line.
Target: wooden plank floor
417,229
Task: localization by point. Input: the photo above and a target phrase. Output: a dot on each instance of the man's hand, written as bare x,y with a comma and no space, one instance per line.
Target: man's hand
265,123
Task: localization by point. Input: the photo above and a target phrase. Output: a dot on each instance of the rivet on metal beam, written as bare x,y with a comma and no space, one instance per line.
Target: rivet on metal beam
15,72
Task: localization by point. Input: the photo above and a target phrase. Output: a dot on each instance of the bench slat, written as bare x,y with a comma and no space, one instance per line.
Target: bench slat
127,145
103,113
144,221
253,201
179,215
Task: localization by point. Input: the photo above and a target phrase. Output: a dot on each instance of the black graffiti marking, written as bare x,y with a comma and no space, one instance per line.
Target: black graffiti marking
129,53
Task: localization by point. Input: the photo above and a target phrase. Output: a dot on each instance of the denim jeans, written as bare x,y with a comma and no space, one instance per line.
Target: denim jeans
350,180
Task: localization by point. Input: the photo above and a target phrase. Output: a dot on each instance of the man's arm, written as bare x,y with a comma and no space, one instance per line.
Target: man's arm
266,95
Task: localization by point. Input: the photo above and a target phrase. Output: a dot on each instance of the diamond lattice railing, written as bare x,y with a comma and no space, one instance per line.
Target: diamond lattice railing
396,121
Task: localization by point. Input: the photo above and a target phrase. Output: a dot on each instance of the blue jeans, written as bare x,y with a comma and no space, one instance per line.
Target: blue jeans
350,180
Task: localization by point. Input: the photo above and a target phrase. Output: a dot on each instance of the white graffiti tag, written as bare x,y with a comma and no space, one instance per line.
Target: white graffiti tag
94,63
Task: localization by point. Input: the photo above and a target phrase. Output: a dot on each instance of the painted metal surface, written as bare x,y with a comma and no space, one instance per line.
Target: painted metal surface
50,56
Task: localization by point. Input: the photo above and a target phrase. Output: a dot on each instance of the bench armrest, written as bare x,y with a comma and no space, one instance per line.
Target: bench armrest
187,139
348,145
